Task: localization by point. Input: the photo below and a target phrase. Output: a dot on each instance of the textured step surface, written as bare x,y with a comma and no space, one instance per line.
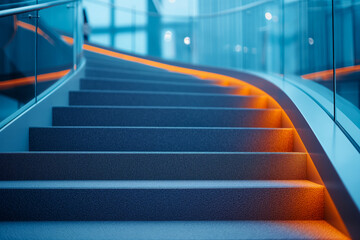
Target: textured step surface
170,80
160,200
133,69
137,98
175,230
130,74
166,117
161,139
153,166
106,64
146,85
184,151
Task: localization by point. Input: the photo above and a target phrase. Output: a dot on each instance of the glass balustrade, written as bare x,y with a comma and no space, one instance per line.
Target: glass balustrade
301,42
37,50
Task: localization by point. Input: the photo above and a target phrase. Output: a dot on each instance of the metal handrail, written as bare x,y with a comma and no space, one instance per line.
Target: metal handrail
31,8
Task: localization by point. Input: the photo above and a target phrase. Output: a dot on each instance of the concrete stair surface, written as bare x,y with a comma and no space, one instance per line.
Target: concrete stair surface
141,85
143,153
152,98
165,230
153,166
160,200
166,116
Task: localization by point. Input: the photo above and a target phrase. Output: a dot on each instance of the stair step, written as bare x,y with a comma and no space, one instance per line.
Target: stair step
152,166
146,85
160,200
161,139
104,65
170,80
138,98
133,74
175,230
110,64
166,117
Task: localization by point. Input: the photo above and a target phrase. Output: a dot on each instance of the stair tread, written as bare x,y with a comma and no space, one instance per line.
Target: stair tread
165,116
203,82
168,107
176,230
190,84
147,152
167,184
135,138
169,93
154,127
152,166
161,98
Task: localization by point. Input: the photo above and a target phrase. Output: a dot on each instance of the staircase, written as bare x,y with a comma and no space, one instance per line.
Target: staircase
142,153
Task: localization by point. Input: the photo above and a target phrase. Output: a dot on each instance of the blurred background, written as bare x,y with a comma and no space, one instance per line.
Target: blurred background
313,44
301,41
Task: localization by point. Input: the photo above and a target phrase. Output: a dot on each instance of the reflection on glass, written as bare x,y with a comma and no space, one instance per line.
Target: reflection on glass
299,41
36,50
308,44
347,52
55,45
17,68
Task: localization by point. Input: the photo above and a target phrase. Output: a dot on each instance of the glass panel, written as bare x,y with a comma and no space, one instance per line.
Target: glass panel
290,39
308,55
55,45
80,29
17,67
347,52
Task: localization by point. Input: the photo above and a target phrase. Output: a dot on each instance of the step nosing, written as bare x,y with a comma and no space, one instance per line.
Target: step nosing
166,107
175,230
160,184
166,93
148,153
172,83
147,127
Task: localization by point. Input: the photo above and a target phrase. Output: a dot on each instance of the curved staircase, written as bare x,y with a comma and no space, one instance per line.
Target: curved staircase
143,153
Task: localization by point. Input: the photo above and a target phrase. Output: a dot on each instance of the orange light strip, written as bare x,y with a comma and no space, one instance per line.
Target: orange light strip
30,80
33,29
219,78
328,74
68,40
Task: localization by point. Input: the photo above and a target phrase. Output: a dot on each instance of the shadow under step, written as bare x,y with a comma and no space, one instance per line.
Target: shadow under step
175,230
166,117
152,166
139,98
166,139
141,85
160,200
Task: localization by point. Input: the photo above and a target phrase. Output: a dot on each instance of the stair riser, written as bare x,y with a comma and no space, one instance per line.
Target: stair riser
153,166
153,99
161,204
141,86
123,74
126,66
161,139
134,69
165,117
157,80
